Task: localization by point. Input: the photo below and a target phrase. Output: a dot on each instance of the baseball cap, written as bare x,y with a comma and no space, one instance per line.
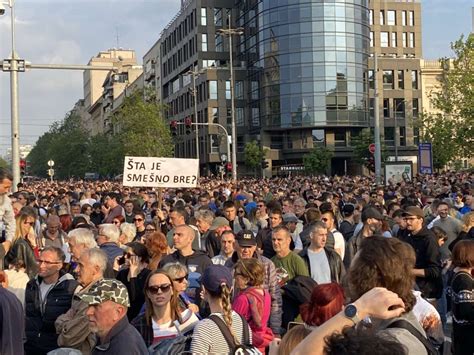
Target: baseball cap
371,212
290,217
413,211
240,198
106,290
219,222
245,238
216,275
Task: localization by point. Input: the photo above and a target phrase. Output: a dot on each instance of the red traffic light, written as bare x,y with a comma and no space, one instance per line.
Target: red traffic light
188,122
228,166
22,163
173,124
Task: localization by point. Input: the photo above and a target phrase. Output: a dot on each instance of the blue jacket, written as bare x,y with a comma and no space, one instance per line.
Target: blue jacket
112,250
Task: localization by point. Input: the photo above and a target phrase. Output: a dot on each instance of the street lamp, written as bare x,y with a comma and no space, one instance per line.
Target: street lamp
14,68
377,153
195,73
229,32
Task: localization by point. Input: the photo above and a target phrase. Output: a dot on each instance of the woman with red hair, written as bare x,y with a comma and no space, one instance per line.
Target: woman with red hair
326,301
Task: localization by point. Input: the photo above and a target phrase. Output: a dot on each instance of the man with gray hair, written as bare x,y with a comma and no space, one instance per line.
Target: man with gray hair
73,326
80,239
108,241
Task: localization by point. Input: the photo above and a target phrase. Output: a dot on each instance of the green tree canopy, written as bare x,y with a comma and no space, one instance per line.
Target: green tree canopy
317,161
253,155
362,154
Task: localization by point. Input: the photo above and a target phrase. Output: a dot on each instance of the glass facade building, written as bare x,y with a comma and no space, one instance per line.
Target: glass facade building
307,64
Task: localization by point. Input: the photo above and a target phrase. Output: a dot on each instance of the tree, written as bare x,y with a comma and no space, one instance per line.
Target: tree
455,99
3,163
317,160
140,128
106,155
253,155
362,154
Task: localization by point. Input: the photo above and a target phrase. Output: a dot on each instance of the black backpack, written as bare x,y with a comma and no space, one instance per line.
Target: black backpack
429,346
241,349
173,346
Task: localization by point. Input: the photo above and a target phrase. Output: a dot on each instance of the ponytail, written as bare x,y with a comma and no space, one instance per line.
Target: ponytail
227,309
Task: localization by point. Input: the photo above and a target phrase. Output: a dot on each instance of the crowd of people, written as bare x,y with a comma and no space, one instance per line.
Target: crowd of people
319,265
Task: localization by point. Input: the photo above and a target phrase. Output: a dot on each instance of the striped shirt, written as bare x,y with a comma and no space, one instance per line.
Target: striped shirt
208,339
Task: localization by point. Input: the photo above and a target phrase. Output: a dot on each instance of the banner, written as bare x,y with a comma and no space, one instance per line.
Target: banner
396,172
425,158
160,172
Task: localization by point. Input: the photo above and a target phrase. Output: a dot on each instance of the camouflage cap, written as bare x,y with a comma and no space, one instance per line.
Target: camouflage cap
106,290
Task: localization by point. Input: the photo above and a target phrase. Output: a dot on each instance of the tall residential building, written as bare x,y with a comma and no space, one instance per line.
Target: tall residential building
395,38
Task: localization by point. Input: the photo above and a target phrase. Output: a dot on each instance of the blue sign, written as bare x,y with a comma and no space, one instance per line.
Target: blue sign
425,158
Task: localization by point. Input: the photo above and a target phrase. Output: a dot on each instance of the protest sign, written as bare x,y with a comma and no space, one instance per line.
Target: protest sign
160,172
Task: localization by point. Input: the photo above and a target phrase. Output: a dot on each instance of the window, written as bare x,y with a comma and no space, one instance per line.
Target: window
372,39
254,89
212,90
416,135
218,17
370,75
204,42
402,136
388,79
384,39
228,92
371,107
401,79
239,116
389,135
219,43
404,39
404,18
415,108
386,108
229,117
215,142
371,17
382,17
255,117
414,79
399,108
215,114
239,90
340,138
394,39
411,40
391,18
318,137
203,16
411,18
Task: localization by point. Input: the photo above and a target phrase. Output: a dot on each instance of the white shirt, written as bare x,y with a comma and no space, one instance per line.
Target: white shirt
319,265
339,242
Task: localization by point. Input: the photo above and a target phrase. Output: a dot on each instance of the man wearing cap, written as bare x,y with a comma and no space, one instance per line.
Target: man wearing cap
246,248
372,224
107,312
295,226
428,259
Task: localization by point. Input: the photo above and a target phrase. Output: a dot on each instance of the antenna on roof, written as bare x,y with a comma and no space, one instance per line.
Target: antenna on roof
117,37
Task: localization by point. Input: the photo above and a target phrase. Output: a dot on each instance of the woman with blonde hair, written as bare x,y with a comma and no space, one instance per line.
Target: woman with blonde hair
162,317
467,230
24,247
208,337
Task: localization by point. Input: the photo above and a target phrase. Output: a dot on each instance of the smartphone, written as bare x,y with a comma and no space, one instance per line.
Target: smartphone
121,260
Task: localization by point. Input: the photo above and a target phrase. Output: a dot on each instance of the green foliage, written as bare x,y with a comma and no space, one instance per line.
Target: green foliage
438,130
142,130
455,100
3,163
253,155
317,160
361,144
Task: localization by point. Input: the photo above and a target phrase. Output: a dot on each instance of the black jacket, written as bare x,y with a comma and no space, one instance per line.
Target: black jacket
199,259
136,290
40,316
22,250
335,264
428,258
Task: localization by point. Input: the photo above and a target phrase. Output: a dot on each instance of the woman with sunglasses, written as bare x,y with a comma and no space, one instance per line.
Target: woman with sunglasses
179,275
133,275
24,245
162,317
118,220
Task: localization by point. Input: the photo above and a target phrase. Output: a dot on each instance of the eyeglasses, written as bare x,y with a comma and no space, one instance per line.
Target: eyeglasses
48,262
241,211
128,255
163,288
181,279
138,219
30,223
150,229
260,206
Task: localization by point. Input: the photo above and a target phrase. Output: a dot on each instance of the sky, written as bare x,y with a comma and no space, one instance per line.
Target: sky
73,31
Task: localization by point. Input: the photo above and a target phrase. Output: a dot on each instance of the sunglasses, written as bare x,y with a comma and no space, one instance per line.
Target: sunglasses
138,219
150,229
163,288
30,223
128,255
181,279
240,211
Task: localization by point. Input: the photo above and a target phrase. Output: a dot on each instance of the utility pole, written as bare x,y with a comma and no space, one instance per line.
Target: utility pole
195,73
377,154
229,32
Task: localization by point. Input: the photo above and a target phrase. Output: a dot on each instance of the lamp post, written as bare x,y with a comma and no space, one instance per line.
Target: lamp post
229,32
377,153
195,73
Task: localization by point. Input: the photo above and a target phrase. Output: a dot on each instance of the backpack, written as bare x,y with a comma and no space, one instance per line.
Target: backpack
173,346
429,346
241,349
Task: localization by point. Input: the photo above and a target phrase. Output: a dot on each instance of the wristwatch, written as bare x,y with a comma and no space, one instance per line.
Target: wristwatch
350,311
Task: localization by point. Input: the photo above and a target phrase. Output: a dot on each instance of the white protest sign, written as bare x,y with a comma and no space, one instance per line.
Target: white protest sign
160,172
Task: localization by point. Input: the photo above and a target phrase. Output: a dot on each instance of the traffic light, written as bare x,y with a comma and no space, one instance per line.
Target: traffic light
188,123
371,163
264,164
22,167
174,128
228,167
